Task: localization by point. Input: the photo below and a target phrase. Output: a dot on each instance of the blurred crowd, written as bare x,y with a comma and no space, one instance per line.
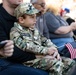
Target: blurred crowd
65,5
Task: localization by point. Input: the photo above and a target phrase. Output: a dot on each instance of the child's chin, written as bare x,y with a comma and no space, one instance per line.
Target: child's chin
32,26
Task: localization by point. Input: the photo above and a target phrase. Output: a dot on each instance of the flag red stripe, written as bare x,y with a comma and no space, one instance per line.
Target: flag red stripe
71,50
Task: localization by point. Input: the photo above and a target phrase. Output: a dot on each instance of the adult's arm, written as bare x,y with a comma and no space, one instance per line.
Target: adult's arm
54,26
18,55
66,29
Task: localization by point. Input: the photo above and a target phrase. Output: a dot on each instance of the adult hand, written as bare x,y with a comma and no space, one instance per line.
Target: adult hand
73,26
7,50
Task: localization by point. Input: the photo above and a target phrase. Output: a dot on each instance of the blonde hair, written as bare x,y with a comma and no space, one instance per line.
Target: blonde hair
54,8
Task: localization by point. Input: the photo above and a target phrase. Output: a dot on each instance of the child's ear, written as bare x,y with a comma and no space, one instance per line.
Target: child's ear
21,20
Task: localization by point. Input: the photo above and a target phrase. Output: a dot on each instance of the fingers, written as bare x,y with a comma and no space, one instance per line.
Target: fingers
52,50
49,57
9,43
8,53
73,26
58,57
8,48
55,54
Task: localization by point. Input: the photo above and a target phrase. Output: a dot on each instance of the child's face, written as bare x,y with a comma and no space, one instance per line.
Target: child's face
29,21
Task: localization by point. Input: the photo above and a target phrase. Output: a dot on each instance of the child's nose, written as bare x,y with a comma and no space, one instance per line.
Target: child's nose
35,20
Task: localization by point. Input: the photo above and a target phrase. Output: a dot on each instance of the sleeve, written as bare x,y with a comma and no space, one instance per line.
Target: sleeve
47,42
3,34
51,22
24,42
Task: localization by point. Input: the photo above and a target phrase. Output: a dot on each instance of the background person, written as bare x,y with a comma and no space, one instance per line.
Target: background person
41,22
59,31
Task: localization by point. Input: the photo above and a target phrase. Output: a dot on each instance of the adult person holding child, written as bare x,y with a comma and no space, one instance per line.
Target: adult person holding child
13,65
27,38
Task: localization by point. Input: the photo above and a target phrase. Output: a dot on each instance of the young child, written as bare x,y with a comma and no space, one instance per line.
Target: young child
28,38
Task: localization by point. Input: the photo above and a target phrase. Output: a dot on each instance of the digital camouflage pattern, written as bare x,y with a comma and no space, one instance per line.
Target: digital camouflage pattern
31,41
25,8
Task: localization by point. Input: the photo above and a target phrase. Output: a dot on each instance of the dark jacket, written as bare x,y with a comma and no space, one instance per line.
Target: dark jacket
6,23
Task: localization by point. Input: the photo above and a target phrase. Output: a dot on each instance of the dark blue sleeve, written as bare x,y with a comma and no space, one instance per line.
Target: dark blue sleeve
21,56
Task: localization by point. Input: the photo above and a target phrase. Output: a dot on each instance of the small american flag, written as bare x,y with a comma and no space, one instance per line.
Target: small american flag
72,49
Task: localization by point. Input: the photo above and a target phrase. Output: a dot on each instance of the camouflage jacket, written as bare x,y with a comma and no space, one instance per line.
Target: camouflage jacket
30,40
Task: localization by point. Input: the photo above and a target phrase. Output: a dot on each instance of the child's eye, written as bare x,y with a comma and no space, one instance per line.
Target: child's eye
33,16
